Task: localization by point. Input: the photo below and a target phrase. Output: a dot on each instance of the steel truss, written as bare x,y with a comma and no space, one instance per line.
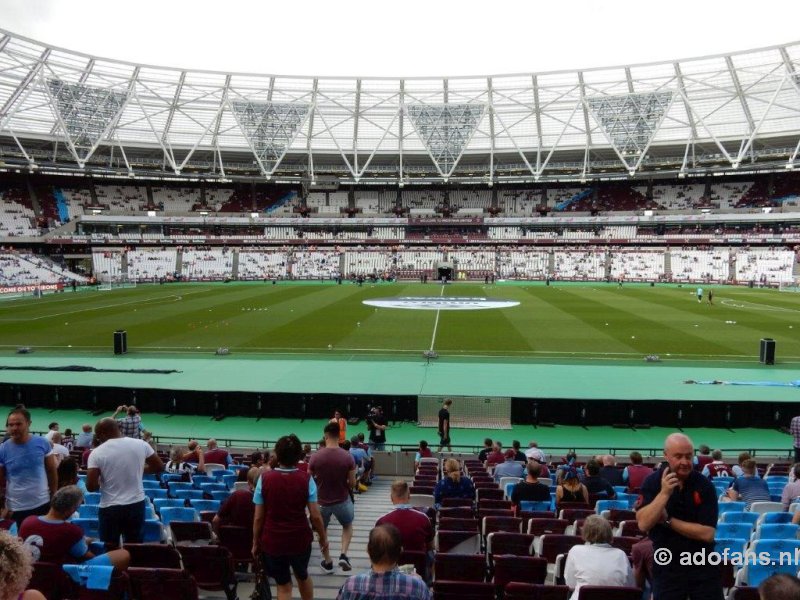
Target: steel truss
741,109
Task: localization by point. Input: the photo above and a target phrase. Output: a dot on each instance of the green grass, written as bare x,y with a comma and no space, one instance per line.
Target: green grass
593,320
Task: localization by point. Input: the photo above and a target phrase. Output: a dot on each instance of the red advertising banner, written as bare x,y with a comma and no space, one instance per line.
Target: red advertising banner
22,289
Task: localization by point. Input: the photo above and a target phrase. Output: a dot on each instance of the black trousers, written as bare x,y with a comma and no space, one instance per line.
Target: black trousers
18,516
122,520
797,455
688,583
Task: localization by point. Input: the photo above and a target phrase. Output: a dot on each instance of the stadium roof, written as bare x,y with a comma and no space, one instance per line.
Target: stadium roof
63,110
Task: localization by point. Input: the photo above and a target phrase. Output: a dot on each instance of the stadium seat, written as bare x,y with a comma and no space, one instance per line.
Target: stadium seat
457,542
88,511
774,517
51,580
739,517
152,531
776,531
205,505
604,592
153,556
238,540
159,583
456,512
416,499
212,568
418,558
150,484
533,505
765,507
198,480
453,524
529,591
220,495
732,507
624,542
174,486
155,493
160,503
91,498
119,587
187,494
459,567
176,513
734,530
525,569
604,505
542,526
458,590
184,532
91,527
453,502
492,524
213,487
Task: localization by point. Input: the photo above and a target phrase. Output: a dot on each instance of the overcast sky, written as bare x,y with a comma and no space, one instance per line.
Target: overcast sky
406,38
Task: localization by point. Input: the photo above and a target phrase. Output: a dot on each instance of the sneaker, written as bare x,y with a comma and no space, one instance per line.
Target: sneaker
327,567
344,563
362,488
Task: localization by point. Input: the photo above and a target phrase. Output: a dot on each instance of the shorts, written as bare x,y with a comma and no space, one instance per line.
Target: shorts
444,441
280,568
344,513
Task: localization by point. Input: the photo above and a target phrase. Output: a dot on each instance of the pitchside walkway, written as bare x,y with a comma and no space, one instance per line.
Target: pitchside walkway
351,374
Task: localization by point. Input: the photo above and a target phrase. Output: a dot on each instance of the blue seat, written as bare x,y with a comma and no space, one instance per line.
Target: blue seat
91,498
632,499
200,479
220,495
533,505
155,494
91,527
211,487
88,511
722,479
509,489
774,547
150,484
161,503
731,507
150,477
178,514
782,479
754,572
730,544
174,486
168,477
228,480
188,494
776,531
220,473
734,530
152,531
205,505
621,489
775,517
611,504
739,517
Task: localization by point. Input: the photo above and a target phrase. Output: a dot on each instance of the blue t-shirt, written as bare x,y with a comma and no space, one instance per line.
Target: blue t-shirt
26,478
359,455
258,497
752,489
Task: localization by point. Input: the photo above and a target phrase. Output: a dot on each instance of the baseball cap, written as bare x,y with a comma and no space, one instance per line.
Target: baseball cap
535,454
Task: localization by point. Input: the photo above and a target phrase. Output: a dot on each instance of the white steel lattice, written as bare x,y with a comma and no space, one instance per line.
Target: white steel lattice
85,112
270,128
631,121
446,130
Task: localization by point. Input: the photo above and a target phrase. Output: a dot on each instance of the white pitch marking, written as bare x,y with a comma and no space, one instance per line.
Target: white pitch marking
436,322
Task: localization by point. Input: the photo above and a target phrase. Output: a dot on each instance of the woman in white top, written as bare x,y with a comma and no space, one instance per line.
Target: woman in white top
597,562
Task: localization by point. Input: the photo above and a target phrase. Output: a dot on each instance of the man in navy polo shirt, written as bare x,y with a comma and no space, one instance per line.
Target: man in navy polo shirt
679,510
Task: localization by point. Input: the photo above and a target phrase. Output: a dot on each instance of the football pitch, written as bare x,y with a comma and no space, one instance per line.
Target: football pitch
563,320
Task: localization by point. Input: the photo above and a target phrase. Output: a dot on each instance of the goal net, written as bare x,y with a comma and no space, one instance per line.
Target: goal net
116,283
789,285
471,412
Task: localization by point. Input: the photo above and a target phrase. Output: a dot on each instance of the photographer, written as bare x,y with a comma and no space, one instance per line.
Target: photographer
131,425
376,423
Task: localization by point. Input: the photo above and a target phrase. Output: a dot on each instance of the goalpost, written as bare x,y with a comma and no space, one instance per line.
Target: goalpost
790,285
470,412
116,283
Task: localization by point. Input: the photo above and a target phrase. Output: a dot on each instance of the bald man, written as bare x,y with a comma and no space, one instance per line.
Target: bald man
115,469
679,510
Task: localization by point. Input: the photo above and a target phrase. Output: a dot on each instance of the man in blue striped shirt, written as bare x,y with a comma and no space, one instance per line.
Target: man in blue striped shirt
384,580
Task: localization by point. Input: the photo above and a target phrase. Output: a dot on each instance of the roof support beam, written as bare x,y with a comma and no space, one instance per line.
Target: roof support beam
682,88
23,86
491,128
538,113
582,87
356,116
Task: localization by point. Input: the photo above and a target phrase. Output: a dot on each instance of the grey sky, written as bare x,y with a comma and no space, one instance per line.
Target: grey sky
408,38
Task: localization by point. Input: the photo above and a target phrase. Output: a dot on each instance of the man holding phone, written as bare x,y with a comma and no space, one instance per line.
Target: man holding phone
679,511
